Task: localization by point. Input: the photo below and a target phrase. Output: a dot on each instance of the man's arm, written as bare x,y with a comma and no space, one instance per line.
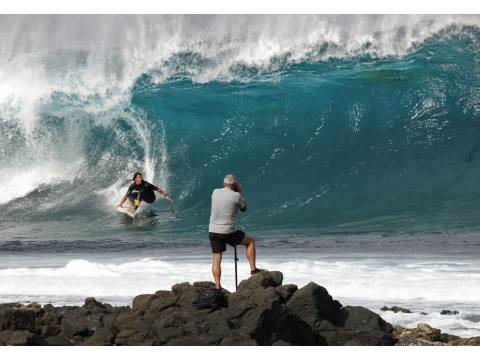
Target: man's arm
242,203
163,193
124,198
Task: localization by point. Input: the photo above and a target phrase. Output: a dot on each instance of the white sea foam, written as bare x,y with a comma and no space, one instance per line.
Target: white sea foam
424,286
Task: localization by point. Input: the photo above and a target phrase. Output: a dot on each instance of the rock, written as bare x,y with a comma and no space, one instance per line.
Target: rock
286,291
50,330
56,341
360,326
281,343
469,341
101,336
261,280
142,302
17,318
94,305
261,312
163,300
238,339
17,338
396,309
313,303
186,294
424,335
449,312
204,284
164,335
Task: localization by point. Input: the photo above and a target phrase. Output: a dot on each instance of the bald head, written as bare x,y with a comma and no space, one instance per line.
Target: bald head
229,180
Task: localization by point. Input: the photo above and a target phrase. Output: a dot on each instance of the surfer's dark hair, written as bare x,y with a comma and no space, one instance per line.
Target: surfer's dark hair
136,174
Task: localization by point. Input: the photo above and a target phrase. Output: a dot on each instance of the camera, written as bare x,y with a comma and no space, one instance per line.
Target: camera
236,187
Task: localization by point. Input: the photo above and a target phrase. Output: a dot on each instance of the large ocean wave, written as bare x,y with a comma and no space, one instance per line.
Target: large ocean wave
337,124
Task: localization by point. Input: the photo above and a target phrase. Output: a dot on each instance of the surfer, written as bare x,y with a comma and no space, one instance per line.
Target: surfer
141,190
222,228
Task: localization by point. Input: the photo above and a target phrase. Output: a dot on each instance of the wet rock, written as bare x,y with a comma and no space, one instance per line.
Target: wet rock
449,312
396,309
423,335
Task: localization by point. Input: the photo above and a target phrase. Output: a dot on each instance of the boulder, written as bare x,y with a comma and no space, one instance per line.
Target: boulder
142,302
360,326
17,318
186,294
162,300
263,279
313,303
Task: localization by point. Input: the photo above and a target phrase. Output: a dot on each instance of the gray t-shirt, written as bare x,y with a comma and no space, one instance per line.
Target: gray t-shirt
225,205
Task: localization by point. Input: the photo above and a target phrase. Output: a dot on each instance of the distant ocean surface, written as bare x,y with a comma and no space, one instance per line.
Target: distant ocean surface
356,139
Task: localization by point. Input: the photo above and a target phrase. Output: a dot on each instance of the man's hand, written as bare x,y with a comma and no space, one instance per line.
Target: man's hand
239,188
120,204
167,197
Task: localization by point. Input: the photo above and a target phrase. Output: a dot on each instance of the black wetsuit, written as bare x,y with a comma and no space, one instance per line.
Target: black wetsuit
143,192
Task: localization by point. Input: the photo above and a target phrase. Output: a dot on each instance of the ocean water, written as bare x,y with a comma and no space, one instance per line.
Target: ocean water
356,139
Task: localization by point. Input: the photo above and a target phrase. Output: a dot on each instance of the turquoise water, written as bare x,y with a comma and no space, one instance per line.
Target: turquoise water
323,144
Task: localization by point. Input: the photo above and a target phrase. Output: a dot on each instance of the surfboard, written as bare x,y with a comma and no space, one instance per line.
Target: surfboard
126,211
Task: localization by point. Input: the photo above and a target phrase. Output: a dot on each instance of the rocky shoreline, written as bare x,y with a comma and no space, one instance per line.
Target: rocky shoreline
261,312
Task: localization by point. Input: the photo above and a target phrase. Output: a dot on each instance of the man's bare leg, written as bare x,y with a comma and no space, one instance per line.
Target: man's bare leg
251,251
216,269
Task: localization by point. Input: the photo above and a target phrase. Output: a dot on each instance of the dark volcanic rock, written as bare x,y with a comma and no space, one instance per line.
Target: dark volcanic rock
13,317
449,312
396,309
261,312
313,303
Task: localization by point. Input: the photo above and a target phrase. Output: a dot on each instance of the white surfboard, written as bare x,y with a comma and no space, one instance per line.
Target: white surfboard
126,211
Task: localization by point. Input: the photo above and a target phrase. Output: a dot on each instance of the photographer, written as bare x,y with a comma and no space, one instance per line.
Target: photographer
222,228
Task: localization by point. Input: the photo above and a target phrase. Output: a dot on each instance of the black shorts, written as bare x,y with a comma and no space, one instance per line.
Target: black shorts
219,241
147,196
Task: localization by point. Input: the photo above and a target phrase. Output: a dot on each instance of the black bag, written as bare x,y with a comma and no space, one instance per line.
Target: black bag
211,299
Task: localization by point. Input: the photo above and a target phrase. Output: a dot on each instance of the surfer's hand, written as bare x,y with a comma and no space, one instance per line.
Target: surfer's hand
168,198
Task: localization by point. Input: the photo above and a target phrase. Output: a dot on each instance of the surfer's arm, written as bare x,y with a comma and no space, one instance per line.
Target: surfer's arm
124,198
163,193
